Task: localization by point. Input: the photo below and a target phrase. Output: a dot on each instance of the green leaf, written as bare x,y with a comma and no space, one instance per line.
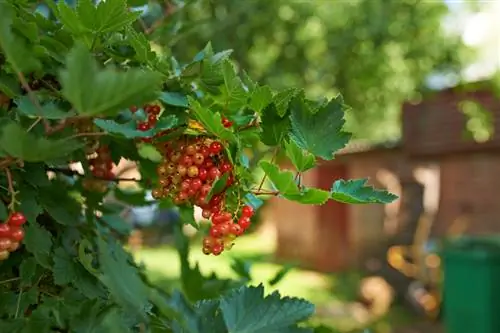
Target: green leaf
129,130
301,159
309,196
9,86
3,211
48,110
242,268
64,269
108,16
318,131
69,19
261,97
187,216
117,223
284,181
32,149
234,93
246,310
39,242
282,100
211,121
27,271
141,45
149,152
14,48
274,127
122,279
218,186
105,92
174,98
280,275
357,192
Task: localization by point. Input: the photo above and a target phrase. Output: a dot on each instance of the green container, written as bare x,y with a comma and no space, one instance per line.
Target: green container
472,285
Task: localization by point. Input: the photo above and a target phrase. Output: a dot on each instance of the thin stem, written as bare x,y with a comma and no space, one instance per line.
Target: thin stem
12,192
33,100
265,175
10,280
79,135
18,303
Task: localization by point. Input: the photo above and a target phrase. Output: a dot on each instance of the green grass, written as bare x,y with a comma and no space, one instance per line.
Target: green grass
321,289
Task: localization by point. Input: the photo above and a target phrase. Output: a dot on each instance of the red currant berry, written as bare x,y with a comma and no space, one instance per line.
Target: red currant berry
14,246
208,163
244,222
185,185
143,127
133,109
217,249
213,173
202,174
225,167
206,213
216,231
247,211
196,184
204,151
198,158
186,160
205,189
152,119
236,229
225,228
181,170
17,234
4,230
5,244
222,217
206,250
230,180
155,109
191,150
215,147
16,219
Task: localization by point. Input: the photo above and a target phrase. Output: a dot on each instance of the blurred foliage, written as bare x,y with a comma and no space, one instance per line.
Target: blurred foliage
376,52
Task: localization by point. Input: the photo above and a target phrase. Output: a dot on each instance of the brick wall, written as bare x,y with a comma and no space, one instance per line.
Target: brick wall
436,125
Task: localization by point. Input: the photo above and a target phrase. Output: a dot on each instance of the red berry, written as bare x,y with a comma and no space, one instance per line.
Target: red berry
225,167
5,244
14,246
202,174
206,250
213,173
205,189
185,185
208,163
215,147
236,229
152,119
216,231
196,184
155,109
4,230
206,213
133,109
186,160
225,228
222,217
143,127
17,234
247,211
204,151
198,158
191,150
217,249
244,222
181,170
16,219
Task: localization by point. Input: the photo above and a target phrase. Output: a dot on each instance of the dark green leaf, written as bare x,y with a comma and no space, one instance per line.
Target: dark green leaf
107,16
27,271
3,211
105,92
117,223
319,131
64,267
174,98
32,149
187,216
358,192
9,85
39,242
301,159
280,275
149,152
235,95
13,47
282,100
47,110
274,127
218,186
247,310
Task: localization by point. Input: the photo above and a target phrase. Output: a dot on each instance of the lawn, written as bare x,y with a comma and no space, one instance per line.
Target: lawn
330,293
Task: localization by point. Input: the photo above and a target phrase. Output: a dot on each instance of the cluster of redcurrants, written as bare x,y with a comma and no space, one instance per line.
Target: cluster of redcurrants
224,230
152,112
11,234
101,164
190,167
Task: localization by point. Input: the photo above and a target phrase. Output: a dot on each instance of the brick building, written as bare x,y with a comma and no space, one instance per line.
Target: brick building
458,176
